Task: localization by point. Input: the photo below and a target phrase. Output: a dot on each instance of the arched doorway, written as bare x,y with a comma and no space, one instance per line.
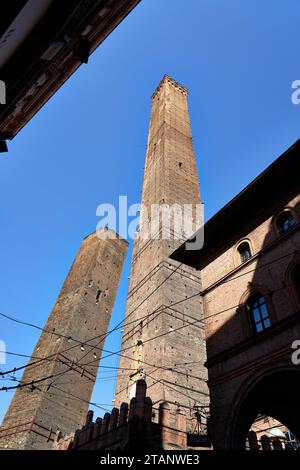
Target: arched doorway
276,395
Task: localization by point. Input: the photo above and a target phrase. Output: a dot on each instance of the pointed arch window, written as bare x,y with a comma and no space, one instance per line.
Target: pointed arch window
257,309
285,221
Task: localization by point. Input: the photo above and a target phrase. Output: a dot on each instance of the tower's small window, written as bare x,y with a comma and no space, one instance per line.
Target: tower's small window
258,311
98,295
285,221
244,251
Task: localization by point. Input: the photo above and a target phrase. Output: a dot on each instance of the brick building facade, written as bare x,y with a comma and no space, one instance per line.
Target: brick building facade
42,44
250,270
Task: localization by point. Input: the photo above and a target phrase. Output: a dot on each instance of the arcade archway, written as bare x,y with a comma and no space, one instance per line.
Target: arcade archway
277,395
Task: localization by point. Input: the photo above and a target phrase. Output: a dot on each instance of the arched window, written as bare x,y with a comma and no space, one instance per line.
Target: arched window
296,279
285,221
258,311
244,251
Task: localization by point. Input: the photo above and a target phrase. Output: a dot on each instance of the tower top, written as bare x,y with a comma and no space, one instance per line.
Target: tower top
168,80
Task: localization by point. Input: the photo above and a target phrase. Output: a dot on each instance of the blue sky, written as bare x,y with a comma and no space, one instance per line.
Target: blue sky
87,145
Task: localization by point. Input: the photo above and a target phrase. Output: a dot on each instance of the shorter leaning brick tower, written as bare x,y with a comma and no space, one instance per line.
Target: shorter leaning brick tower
62,369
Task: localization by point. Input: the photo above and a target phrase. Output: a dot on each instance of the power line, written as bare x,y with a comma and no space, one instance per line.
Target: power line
122,390
74,397
159,310
139,319
181,393
194,295
81,399
30,384
150,339
95,347
137,360
102,336
144,300
199,293
222,281
19,379
40,359
119,353
179,328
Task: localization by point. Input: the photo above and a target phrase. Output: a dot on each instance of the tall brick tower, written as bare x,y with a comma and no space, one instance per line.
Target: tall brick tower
163,338
64,354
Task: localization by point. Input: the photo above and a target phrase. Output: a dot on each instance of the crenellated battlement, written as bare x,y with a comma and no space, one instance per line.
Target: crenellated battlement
130,426
168,80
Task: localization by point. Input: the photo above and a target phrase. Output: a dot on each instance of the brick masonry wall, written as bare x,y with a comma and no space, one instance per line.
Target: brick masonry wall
173,363
235,353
